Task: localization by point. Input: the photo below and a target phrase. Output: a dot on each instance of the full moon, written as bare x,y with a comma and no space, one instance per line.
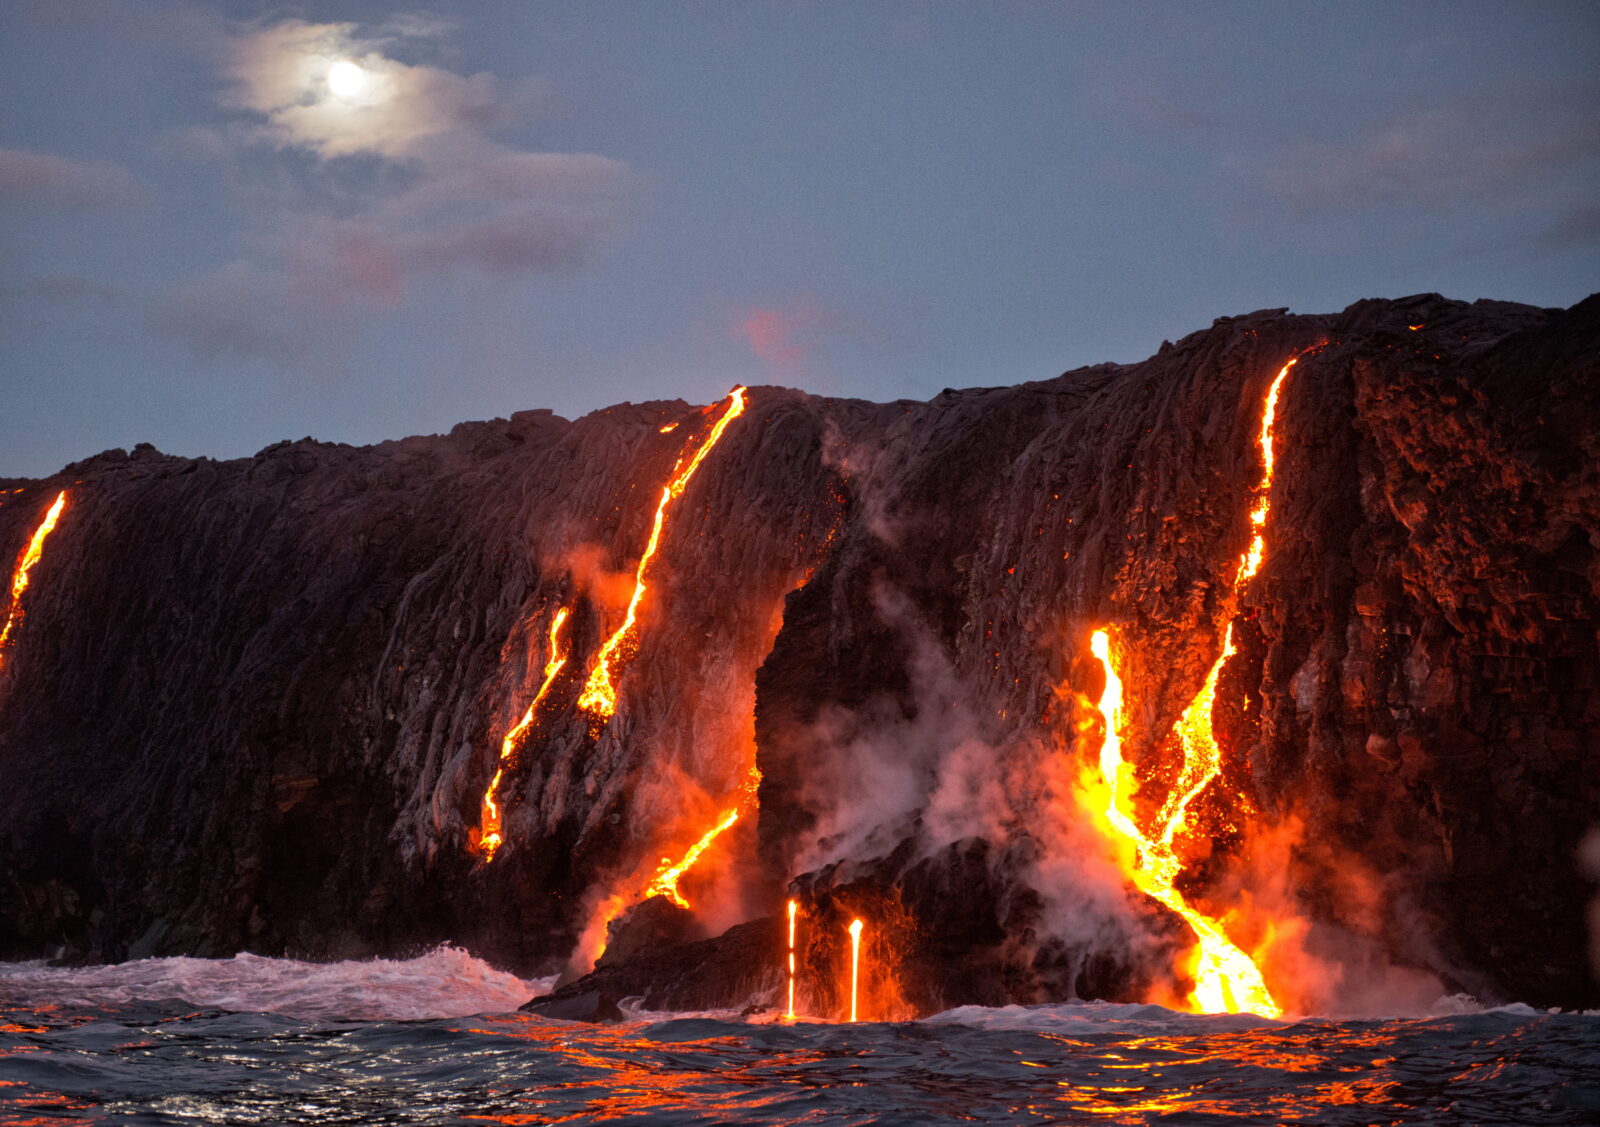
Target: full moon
346,79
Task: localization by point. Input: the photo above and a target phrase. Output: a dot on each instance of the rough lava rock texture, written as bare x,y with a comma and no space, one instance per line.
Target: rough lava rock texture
254,705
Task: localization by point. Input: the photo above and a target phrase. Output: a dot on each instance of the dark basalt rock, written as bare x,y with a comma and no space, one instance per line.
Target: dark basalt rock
591,1006
254,704
723,973
648,926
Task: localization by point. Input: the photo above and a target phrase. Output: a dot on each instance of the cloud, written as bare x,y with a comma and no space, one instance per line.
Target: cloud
241,311
781,337
47,180
1523,148
1579,227
394,178
281,74
159,24
1429,158
60,288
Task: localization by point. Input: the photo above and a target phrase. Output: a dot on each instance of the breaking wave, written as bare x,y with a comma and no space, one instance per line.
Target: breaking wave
446,982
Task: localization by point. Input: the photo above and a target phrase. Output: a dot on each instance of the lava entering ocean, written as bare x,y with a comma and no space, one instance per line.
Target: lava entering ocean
793,909
25,565
1225,978
488,838
855,964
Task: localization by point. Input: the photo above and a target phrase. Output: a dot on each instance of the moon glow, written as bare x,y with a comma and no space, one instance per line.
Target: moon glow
346,79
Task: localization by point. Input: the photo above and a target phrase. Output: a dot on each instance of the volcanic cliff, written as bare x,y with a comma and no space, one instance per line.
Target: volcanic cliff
256,704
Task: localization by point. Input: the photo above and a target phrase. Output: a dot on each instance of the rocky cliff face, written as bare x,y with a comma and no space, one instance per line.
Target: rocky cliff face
255,704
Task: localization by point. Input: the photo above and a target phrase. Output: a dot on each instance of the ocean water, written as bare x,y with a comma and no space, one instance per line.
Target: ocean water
434,1040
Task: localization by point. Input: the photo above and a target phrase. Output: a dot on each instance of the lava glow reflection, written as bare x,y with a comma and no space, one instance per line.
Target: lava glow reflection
25,564
599,693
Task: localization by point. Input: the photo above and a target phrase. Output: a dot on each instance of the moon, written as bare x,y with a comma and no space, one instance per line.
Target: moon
346,79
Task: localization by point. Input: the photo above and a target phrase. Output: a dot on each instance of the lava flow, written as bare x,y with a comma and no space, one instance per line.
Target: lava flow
855,963
1226,979
489,838
666,881
25,563
599,693
793,908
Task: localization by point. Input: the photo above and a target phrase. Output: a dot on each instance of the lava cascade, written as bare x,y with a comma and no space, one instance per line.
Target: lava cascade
855,964
599,696
489,823
1226,979
25,565
793,909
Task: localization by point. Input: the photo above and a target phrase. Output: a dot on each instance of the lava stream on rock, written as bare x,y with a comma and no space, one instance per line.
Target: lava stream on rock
489,821
25,565
599,692
1225,978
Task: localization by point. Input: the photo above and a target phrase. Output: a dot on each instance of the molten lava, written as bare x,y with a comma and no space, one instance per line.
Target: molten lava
25,564
855,963
793,908
1226,979
489,838
599,693
666,880
1250,562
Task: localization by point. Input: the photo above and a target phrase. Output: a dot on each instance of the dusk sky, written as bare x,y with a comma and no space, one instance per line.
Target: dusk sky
225,224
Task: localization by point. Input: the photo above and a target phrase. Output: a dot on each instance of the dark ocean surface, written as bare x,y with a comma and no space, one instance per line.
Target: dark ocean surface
251,1040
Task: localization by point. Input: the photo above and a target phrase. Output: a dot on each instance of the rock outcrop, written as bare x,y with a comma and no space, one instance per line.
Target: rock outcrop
254,705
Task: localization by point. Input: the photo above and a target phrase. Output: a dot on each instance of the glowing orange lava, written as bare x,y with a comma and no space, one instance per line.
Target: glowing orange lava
1226,979
793,908
666,880
25,564
855,963
599,693
489,838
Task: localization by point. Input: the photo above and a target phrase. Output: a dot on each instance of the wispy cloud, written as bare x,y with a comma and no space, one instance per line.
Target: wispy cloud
281,74
446,195
1523,149
51,181
1579,227
782,337
1430,157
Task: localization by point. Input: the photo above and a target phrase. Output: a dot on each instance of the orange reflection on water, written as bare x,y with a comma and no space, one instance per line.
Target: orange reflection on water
1201,1075
637,1074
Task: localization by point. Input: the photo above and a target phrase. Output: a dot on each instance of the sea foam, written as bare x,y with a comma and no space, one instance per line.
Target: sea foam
446,982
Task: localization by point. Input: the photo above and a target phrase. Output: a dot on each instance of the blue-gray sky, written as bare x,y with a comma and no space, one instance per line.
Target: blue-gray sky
208,245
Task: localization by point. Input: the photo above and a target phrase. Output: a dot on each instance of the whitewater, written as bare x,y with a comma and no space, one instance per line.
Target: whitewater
437,1040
